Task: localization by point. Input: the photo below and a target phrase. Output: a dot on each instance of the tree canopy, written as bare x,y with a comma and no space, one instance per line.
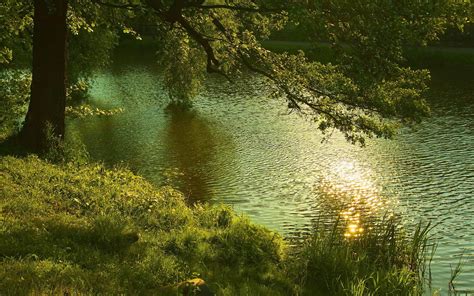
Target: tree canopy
367,91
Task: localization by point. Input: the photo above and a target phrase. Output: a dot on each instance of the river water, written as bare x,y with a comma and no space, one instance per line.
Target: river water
241,148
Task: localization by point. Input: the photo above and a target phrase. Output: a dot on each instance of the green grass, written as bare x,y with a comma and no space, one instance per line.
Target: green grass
85,229
383,261
440,56
89,230
416,57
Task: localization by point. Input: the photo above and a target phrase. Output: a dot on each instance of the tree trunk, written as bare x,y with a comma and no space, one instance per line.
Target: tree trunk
48,88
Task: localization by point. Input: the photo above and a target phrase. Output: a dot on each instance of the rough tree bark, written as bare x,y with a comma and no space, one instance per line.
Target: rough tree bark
48,88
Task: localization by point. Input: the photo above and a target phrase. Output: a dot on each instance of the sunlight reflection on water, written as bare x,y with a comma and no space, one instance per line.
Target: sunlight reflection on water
355,197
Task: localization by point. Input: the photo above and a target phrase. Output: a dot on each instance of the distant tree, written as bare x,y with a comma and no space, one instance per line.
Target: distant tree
367,93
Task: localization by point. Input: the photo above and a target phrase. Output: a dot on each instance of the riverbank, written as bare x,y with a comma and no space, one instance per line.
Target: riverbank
86,229
418,57
433,56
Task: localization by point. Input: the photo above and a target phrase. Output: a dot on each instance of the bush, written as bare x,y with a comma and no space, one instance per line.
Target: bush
14,95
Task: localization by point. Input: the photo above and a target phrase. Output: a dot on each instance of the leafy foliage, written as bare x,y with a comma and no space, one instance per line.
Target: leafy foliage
371,36
183,67
89,51
16,19
86,110
367,93
14,96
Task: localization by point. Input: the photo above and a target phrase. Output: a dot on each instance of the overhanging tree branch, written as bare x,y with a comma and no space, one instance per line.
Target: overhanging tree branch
129,6
234,7
294,93
212,62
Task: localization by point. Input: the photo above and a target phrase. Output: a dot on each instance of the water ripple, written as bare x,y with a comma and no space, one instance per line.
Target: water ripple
240,148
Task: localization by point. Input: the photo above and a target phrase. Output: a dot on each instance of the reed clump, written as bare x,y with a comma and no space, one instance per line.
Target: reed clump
384,260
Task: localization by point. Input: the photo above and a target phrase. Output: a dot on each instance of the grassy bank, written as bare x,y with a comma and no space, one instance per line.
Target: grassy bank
88,230
85,229
416,57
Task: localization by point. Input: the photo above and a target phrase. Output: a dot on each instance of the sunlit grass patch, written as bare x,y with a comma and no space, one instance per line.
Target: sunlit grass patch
86,229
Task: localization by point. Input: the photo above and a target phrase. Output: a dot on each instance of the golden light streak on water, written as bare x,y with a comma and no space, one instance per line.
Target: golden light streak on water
353,195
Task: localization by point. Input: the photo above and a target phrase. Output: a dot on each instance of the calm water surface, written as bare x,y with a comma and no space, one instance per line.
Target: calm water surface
241,148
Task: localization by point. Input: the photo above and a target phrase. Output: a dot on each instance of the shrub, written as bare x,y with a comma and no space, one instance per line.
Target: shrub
14,95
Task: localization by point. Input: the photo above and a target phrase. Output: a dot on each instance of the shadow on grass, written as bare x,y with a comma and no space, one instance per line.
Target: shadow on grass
63,237
11,146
